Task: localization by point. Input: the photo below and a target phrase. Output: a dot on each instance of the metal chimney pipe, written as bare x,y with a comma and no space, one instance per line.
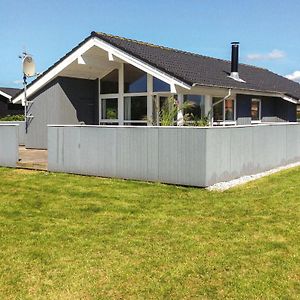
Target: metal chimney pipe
234,57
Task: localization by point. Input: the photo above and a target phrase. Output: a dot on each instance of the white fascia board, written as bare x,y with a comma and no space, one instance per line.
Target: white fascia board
289,99
110,56
81,60
53,73
139,64
5,95
110,49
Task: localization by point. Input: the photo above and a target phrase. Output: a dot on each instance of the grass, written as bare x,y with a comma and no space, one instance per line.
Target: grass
72,237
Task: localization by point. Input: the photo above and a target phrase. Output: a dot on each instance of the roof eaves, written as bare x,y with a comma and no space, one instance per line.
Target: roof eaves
248,89
54,65
5,95
99,36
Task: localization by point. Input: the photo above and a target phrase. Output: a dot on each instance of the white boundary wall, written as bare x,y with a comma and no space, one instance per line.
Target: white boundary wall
180,155
21,129
9,146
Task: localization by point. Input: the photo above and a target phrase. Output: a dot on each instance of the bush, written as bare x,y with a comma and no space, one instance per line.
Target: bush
13,118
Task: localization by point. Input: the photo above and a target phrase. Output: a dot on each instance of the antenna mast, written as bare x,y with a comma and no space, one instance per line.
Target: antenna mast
28,71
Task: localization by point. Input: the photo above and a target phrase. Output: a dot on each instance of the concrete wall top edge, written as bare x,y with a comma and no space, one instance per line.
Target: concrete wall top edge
180,127
9,124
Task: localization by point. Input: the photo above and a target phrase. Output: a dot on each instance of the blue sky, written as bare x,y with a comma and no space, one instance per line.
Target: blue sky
267,30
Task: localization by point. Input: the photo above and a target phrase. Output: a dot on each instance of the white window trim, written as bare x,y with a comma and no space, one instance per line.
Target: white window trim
136,95
114,51
259,107
121,97
225,122
103,97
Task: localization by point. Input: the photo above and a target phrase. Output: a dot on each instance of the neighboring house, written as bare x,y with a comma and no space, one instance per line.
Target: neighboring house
108,79
6,107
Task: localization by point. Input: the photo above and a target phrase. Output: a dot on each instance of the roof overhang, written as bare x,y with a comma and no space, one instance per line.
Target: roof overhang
112,53
290,99
253,92
5,95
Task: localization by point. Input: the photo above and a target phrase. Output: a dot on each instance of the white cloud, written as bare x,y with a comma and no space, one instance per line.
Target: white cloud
274,54
294,76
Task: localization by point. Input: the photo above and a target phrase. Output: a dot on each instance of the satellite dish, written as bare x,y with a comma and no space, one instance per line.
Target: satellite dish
28,66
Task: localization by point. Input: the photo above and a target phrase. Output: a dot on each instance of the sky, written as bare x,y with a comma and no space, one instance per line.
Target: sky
268,31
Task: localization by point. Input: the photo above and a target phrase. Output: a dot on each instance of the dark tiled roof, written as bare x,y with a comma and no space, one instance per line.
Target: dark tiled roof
193,68
10,91
203,70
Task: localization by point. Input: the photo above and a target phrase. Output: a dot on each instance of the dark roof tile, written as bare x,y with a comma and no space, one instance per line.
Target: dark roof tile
10,91
193,68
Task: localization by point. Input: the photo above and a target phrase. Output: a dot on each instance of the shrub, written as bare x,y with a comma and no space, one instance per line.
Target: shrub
13,118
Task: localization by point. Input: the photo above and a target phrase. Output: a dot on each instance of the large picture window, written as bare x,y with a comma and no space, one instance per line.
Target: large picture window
255,110
196,108
135,109
109,83
160,86
135,80
223,111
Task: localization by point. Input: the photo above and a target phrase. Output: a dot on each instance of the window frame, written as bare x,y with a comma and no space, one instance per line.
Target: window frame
106,97
133,95
259,111
224,122
201,106
124,79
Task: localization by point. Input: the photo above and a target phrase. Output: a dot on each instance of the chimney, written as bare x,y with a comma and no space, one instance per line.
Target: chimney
235,62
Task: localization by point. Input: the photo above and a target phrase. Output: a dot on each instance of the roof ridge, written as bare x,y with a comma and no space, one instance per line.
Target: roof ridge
95,33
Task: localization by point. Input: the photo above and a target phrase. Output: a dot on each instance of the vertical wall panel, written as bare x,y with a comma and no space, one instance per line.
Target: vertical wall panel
178,155
62,101
9,145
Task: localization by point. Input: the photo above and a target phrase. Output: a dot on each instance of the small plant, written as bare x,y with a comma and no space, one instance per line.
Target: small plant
170,109
13,118
111,113
202,122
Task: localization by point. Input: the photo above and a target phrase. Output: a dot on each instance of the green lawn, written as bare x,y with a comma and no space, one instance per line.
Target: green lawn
73,237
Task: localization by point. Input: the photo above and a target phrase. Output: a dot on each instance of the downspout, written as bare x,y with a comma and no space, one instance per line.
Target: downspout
222,100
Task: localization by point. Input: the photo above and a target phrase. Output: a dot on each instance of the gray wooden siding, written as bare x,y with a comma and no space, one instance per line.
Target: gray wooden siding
7,108
272,110
243,109
63,101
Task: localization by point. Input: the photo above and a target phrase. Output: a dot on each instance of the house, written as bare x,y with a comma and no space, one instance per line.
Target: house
108,79
6,107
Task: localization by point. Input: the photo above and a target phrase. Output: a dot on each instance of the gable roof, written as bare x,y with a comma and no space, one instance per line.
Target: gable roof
9,92
192,69
195,69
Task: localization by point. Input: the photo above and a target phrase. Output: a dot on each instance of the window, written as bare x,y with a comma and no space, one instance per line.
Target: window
217,109
163,105
160,86
135,80
255,110
197,105
109,83
135,108
109,109
223,110
229,110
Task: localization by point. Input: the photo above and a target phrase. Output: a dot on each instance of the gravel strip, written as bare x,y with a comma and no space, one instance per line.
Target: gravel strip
225,185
